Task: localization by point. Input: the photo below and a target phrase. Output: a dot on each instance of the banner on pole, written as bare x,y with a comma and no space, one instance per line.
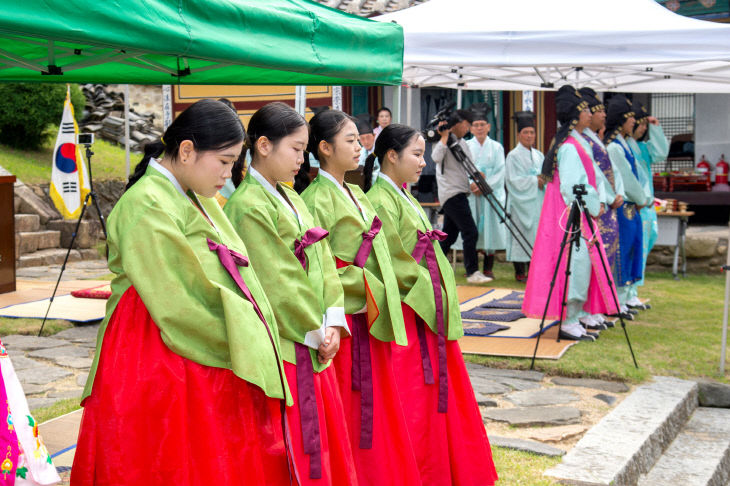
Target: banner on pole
69,175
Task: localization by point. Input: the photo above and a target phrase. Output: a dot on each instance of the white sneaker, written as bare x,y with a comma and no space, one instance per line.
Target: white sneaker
478,278
599,318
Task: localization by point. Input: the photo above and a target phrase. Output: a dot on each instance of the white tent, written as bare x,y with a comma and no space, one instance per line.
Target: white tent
621,45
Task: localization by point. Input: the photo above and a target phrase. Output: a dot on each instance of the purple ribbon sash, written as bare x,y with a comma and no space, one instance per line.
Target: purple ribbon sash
362,377
424,247
367,243
306,396
362,367
312,236
231,260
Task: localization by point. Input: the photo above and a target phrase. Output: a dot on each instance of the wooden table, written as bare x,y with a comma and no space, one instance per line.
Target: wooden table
672,229
7,234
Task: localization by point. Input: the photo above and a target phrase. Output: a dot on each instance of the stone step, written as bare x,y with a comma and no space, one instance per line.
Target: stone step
88,233
30,241
54,257
699,456
628,441
27,222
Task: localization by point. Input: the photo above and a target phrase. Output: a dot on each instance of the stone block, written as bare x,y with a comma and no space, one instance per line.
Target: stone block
722,250
64,394
714,394
542,397
60,352
87,236
628,441
49,239
31,203
73,362
534,416
36,403
525,446
607,399
26,243
89,254
81,379
43,374
700,455
608,386
700,247
488,387
79,333
56,256
27,222
22,342
479,370
557,434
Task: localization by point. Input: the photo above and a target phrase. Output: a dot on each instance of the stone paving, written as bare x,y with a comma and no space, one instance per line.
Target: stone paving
528,411
53,368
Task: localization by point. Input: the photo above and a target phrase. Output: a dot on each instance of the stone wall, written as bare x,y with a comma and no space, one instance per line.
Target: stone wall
704,255
144,98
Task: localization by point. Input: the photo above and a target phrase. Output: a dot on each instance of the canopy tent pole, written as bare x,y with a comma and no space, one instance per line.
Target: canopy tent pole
459,88
126,128
396,104
300,99
723,345
409,104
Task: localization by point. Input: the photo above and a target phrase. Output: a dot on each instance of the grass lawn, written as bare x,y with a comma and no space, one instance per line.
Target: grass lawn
680,336
34,166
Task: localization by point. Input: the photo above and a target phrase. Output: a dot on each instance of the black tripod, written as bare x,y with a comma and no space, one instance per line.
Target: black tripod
572,237
504,217
90,195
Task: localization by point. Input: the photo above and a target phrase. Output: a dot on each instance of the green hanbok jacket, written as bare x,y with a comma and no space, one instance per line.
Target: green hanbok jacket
373,288
157,241
304,302
402,217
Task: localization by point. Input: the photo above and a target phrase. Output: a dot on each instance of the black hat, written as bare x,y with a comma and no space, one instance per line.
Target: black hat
363,127
480,111
641,112
569,103
619,110
593,102
319,109
524,119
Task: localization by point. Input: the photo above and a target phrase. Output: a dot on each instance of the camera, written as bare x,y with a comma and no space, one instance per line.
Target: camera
579,190
432,132
85,139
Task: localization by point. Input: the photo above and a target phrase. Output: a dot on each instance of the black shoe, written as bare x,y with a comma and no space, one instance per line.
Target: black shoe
639,307
594,335
627,316
570,337
633,311
608,323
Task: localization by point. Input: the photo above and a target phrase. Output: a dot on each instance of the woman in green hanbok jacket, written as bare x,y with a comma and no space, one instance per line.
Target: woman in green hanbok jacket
187,386
443,416
378,430
291,256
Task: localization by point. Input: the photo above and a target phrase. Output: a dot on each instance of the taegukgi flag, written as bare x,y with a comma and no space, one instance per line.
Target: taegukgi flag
69,180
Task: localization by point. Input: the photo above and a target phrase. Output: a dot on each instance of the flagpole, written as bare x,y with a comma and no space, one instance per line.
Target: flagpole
126,127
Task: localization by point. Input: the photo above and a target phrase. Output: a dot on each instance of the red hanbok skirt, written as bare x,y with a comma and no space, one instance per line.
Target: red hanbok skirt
154,417
391,461
451,448
338,466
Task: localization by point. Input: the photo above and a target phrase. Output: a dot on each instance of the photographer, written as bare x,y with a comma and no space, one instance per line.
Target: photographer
453,189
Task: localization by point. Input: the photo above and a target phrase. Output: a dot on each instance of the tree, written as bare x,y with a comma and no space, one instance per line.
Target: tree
27,109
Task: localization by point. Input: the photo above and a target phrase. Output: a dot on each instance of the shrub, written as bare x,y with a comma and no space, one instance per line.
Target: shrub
27,110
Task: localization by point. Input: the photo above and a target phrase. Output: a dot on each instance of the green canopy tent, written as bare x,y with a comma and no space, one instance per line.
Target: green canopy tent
292,42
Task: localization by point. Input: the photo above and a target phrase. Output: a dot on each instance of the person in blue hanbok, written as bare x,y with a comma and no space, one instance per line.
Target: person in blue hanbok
488,157
650,145
608,222
525,188
620,123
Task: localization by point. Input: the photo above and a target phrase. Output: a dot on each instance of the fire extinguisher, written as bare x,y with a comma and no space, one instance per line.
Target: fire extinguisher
721,171
704,167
